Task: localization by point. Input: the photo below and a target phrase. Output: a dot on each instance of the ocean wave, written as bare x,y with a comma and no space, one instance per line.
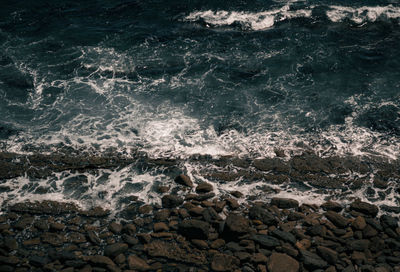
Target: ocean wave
362,14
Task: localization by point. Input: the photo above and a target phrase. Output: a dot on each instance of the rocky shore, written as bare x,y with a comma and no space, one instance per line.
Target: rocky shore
198,232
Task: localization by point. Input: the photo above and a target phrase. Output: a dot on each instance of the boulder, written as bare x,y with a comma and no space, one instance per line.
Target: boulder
194,229
235,225
171,201
284,203
114,250
257,212
281,262
204,187
183,180
365,208
337,219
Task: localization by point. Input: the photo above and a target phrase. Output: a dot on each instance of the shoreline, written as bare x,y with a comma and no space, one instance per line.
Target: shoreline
198,232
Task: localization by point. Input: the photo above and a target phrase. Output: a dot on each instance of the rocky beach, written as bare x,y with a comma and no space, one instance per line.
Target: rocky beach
194,230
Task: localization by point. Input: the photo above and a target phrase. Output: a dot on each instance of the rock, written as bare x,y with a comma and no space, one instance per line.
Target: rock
223,262
23,223
12,260
183,180
145,209
217,243
160,226
201,244
279,262
99,260
332,206
38,261
115,228
312,261
337,219
328,254
200,197
171,201
130,240
284,203
235,225
162,215
232,203
257,212
204,187
114,250
359,223
389,221
138,264
365,208
194,229
285,236
53,238
92,236
237,194
369,232
258,258
266,240
359,245
10,243
56,226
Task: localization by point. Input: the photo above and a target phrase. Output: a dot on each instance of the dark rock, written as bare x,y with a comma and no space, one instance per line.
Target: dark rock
217,243
75,263
162,215
316,230
223,262
235,225
6,268
359,245
284,203
266,240
38,260
138,264
232,203
12,260
237,194
200,197
337,219
56,226
328,254
201,244
115,227
144,238
283,235
92,236
369,232
184,180
23,223
365,208
257,212
234,247
389,221
145,209
359,223
281,262
312,261
171,201
374,223
114,250
258,258
10,243
160,226
194,229
332,206
99,260
242,256
204,187
130,240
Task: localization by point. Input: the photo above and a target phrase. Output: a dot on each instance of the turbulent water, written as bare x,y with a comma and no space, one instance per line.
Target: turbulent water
173,79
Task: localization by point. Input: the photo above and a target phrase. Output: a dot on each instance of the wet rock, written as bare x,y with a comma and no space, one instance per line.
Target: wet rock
275,164
328,254
235,225
115,227
56,226
312,260
337,219
389,221
284,203
23,223
145,209
194,229
266,240
365,208
359,245
92,236
183,180
10,243
217,243
158,227
201,244
232,203
257,212
171,201
281,262
237,194
114,250
38,261
199,197
285,236
223,262
137,264
99,260
162,215
332,206
359,223
204,187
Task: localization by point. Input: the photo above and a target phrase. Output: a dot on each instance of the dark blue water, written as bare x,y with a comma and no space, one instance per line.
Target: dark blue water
173,79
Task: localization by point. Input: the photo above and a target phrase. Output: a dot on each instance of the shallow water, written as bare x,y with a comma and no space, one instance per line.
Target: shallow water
173,79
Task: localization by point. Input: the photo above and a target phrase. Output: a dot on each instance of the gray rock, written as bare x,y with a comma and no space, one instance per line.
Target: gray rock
283,235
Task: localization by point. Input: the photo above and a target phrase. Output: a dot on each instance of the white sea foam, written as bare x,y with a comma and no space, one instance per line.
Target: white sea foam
362,14
250,20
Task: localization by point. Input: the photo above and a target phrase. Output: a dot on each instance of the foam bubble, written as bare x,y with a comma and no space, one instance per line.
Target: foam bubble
362,14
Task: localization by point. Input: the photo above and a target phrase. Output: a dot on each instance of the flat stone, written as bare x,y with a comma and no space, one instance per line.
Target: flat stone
279,262
194,229
223,262
138,264
184,180
257,212
285,236
312,260
266,240
284,203
365,208
332,206
337,219
171,201
114,250
204,187
328,254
